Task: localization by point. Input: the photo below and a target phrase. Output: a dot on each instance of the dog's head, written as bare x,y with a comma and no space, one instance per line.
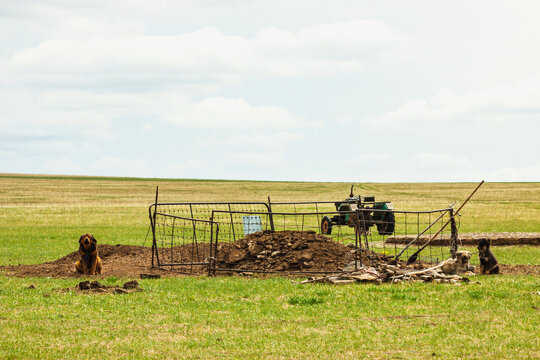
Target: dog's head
87,242
463,257
483,245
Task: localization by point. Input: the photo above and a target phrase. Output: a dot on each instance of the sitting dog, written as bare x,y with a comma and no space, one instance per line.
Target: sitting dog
488,262
459,264
90,263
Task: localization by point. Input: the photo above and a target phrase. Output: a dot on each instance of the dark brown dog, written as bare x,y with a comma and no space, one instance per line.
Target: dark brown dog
90,263
488,262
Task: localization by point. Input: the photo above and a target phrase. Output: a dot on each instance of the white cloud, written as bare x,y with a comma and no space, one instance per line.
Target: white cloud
524,173
425,167
215,88
104,166
192,168
34,115
83,51
229,165
370,158
219,112
62,166
147,127
268,140
250,159
496,104
426,163
114,166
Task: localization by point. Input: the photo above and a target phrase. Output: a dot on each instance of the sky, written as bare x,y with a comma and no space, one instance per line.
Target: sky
359,91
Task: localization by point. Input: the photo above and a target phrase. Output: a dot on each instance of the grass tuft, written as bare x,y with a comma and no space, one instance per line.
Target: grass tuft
301,300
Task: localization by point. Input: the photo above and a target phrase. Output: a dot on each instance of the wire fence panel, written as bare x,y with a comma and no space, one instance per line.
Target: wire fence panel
191,235
184,243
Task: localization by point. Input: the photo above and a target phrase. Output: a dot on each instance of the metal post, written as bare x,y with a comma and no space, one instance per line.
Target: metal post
270,214
194,234
232,222
210,249
453,234
153,220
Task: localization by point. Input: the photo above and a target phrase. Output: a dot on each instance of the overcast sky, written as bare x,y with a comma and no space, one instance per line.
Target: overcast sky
272,90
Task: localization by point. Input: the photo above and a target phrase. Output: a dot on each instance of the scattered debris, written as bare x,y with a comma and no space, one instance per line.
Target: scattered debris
133,284
150,276
389,273
97,287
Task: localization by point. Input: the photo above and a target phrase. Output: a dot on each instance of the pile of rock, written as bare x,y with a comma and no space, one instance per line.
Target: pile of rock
389,273
283,251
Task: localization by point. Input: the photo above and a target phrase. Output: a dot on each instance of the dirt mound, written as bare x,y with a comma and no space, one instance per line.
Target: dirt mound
290,251
265,251
496,239
118,260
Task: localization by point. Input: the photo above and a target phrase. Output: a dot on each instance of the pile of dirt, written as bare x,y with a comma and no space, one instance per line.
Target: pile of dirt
291,251
265,251
496,239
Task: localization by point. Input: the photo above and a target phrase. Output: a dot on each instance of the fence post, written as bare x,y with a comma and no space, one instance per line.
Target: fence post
153,220
270,215
210,257
453,234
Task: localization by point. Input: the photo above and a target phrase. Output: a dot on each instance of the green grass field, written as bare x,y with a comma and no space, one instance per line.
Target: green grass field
42,217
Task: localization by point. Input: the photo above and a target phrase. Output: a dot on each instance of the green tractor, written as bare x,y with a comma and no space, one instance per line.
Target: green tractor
379,214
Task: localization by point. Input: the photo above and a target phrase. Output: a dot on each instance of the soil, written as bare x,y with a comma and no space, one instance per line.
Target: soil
496,239
290,251
520,269
264,251
118,260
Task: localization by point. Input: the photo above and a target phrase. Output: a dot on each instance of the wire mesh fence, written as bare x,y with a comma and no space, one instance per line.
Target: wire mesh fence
193,236
185,244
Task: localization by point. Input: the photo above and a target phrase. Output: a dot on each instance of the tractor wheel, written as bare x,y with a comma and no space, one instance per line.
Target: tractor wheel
326,226
389,224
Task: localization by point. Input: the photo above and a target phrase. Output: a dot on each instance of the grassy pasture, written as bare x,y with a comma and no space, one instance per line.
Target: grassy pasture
42,217
271,318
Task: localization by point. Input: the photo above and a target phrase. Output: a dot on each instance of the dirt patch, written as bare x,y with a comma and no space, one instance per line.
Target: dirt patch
118,260
496,239
520,269
265,251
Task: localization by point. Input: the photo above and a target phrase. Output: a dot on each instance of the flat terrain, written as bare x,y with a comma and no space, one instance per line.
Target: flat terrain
42,217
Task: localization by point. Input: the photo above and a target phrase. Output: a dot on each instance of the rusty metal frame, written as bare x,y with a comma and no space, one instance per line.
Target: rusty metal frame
211,261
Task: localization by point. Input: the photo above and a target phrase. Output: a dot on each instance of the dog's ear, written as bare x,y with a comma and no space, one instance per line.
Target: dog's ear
93,239
81,238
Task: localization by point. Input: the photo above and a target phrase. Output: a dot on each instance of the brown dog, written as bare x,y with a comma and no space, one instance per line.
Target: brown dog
457,265
488,262
90,263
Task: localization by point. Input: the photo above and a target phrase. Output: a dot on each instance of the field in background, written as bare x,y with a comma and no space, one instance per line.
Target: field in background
42,217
